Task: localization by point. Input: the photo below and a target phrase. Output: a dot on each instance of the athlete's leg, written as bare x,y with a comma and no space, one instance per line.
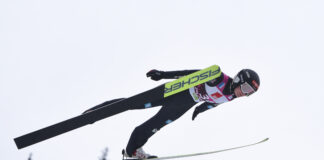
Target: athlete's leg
173,108
144,106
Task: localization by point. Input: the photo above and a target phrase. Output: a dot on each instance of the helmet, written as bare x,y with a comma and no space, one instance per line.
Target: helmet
248,80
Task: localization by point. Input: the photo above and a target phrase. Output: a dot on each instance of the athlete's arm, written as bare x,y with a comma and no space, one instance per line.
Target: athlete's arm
157,75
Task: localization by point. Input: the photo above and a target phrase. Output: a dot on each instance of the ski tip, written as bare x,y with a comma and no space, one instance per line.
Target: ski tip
266,139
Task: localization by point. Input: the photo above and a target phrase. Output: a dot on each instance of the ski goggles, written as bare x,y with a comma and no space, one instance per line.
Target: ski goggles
247,89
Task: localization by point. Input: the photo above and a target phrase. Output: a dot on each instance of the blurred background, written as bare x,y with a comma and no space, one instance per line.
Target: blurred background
58,58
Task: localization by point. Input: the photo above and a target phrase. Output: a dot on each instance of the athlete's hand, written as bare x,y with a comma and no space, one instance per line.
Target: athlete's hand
155,74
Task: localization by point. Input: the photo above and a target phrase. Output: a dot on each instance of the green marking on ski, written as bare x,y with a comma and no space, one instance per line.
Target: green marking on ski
191,80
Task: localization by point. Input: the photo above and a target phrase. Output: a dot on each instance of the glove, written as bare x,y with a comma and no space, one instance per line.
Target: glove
202,108
195,113
155,74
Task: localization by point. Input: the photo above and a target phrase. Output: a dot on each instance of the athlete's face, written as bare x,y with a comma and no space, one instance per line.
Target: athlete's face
238,92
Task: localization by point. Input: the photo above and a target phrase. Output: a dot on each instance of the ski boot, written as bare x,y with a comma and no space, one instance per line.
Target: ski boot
137,155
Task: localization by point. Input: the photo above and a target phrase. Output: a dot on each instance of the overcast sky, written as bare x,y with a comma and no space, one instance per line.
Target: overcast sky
58,58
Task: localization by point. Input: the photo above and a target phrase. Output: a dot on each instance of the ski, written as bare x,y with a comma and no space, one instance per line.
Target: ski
202,153
157,93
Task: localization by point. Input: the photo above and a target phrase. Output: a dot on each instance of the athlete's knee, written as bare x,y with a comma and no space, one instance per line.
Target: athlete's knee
143,106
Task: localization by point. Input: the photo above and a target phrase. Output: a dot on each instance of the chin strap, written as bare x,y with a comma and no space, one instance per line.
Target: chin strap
231,88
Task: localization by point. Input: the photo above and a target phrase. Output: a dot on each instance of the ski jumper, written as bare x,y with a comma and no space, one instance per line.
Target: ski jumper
213,93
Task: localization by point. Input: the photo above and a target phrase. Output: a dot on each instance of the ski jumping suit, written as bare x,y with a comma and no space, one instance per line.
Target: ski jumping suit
213,93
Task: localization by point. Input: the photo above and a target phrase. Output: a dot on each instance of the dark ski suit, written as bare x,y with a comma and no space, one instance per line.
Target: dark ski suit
172,108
